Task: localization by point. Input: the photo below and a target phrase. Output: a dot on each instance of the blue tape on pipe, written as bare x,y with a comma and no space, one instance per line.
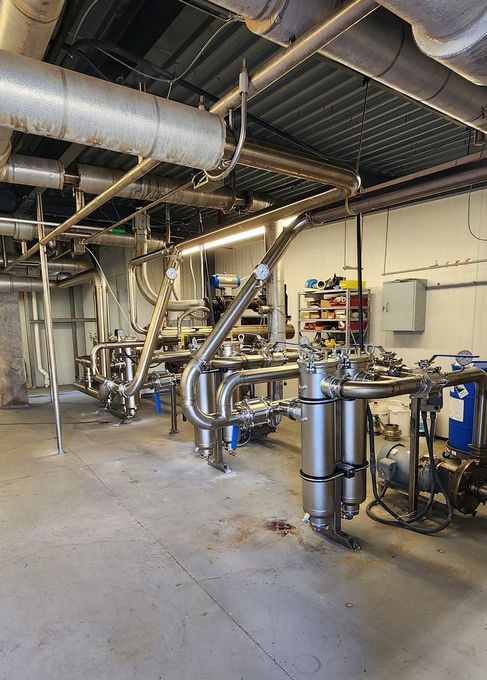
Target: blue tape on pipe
157,402
234,442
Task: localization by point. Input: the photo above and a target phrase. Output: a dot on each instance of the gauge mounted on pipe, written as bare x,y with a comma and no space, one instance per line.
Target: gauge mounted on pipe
464,357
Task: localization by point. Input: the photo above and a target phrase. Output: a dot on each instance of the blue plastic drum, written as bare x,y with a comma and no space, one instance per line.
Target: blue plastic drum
462,405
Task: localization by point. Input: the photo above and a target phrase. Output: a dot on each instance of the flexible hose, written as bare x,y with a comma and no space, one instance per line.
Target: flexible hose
407,523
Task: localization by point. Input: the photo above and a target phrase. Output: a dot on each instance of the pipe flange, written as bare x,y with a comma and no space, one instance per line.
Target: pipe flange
331,386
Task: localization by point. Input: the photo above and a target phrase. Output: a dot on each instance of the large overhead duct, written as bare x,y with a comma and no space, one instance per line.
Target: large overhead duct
450,32
47,173
25,28
381,46
47,100
51,101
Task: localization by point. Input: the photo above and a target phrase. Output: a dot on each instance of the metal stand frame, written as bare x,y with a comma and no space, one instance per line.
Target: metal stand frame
215,459
49,329
414,455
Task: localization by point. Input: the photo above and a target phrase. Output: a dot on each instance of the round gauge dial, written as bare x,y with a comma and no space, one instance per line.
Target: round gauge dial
464,357
262,271
171,273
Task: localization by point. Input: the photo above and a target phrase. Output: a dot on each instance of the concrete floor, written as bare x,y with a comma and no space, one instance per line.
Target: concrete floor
130,558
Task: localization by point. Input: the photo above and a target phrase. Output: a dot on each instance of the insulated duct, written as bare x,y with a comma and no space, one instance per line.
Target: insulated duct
381,47
94,180
24,230
51,174
47,100
19,284
450,32
26,27
51,101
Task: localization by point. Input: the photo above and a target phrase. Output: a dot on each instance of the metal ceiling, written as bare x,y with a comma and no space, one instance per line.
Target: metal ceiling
320,103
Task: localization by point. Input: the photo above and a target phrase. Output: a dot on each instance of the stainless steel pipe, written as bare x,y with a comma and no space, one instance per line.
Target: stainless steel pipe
225,324
152,338
250,377
25,230
301,49
49,330
381,389
145,165
94,180
276,300
205,439
353,450
94,277
91,179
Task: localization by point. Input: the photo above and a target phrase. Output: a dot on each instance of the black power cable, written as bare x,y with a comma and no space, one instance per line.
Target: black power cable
436,483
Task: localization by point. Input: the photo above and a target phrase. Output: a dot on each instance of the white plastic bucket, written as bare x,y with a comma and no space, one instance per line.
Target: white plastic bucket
379,408
400,416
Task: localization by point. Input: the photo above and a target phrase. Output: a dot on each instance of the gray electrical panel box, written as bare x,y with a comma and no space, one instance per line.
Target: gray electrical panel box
404,305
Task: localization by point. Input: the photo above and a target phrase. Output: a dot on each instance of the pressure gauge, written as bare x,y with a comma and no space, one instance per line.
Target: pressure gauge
464,357
171,273
261,272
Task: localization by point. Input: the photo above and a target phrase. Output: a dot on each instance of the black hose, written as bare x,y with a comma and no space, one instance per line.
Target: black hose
435,483
360,282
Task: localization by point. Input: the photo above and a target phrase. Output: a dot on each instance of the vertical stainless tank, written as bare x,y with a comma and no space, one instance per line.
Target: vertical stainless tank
354,440
205,440
229,348
318,442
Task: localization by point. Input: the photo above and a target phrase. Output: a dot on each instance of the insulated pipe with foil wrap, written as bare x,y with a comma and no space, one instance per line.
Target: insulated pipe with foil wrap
86,110
26,27
47,173
381,47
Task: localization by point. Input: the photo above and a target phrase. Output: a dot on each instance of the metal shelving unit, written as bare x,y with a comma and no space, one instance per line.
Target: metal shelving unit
343,326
